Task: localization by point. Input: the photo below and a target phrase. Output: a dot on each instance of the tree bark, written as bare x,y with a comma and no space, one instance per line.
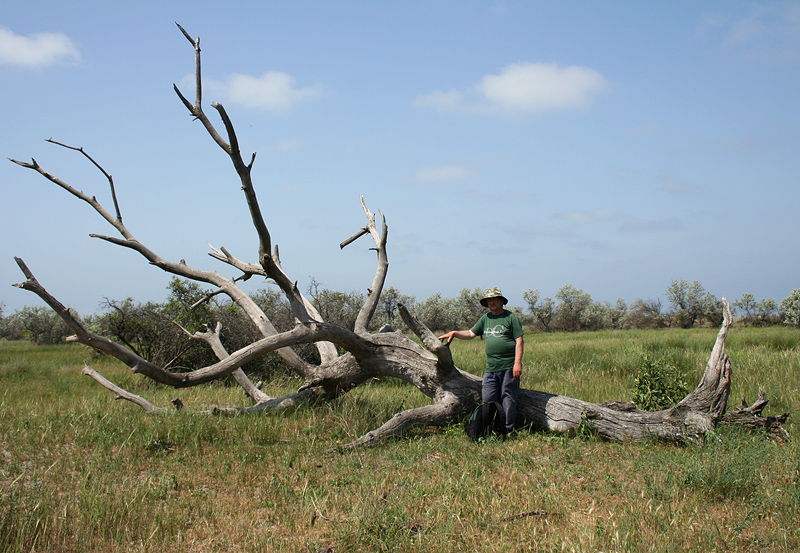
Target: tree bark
752,418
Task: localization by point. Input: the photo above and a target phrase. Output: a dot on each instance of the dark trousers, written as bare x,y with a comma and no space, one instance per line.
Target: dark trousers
502,387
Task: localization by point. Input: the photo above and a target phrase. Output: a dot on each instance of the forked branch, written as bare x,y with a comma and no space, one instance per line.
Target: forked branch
100,168
428,415
379,237
212,338
116,222
128,240
301,308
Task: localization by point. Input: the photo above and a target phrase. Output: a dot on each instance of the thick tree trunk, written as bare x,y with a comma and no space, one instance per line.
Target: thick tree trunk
695,415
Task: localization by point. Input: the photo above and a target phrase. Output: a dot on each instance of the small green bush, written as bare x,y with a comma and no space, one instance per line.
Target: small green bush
659,383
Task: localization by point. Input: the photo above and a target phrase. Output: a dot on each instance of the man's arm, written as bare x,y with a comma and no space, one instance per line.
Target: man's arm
518,351
460,334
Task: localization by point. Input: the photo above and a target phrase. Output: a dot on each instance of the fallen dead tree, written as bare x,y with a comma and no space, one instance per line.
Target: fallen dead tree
427,365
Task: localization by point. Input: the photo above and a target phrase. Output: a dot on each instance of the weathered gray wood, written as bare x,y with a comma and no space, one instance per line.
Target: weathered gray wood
695,415
752,418
120,393
212,338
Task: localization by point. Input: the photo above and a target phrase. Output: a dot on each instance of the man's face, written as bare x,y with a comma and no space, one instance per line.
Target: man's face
495,305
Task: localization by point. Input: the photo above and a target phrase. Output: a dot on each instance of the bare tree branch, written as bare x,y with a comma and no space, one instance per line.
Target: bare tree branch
436,414
751,417
379,237
116,222
225,285
272,405
120,393
299,305
353,238
105,173
429,339
212,338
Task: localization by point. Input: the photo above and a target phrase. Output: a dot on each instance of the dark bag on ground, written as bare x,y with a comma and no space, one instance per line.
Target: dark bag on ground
487,419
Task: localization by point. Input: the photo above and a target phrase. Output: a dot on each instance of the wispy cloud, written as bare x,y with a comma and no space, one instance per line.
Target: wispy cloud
443,173
588,217
769,32
522,196
441,100
622,222
37,49
651,225
778,22
645,130
551,231
523,88
272,91
674,186
288,145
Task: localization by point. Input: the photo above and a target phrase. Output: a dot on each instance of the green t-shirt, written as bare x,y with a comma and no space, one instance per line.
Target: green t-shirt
500,333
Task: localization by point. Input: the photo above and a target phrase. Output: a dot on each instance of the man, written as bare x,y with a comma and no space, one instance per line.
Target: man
502,333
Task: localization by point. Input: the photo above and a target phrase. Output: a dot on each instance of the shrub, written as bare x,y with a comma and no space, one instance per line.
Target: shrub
790,307
644,314
388,310
438,313
541,313
572,308
659,383
39,324
693,305
339,308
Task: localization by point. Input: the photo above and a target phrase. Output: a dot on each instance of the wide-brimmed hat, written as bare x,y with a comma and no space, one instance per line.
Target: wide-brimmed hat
493,293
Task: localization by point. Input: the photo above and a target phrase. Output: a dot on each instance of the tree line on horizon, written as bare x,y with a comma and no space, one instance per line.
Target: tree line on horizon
160,331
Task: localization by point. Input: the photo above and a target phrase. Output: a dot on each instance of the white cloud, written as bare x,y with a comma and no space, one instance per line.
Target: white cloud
533,87
272,91
524,88
560,232
36,50
522,196
443,173
747,30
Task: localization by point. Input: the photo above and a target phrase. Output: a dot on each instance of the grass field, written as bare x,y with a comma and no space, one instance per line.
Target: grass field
81,472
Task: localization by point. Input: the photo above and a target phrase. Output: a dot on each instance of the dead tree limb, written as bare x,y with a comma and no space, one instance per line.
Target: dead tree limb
120,393
752,418
212,338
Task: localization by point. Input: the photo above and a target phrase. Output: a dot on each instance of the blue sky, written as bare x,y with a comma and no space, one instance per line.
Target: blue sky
614,146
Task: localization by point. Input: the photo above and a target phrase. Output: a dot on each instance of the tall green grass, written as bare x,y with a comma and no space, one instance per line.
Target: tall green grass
80,471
